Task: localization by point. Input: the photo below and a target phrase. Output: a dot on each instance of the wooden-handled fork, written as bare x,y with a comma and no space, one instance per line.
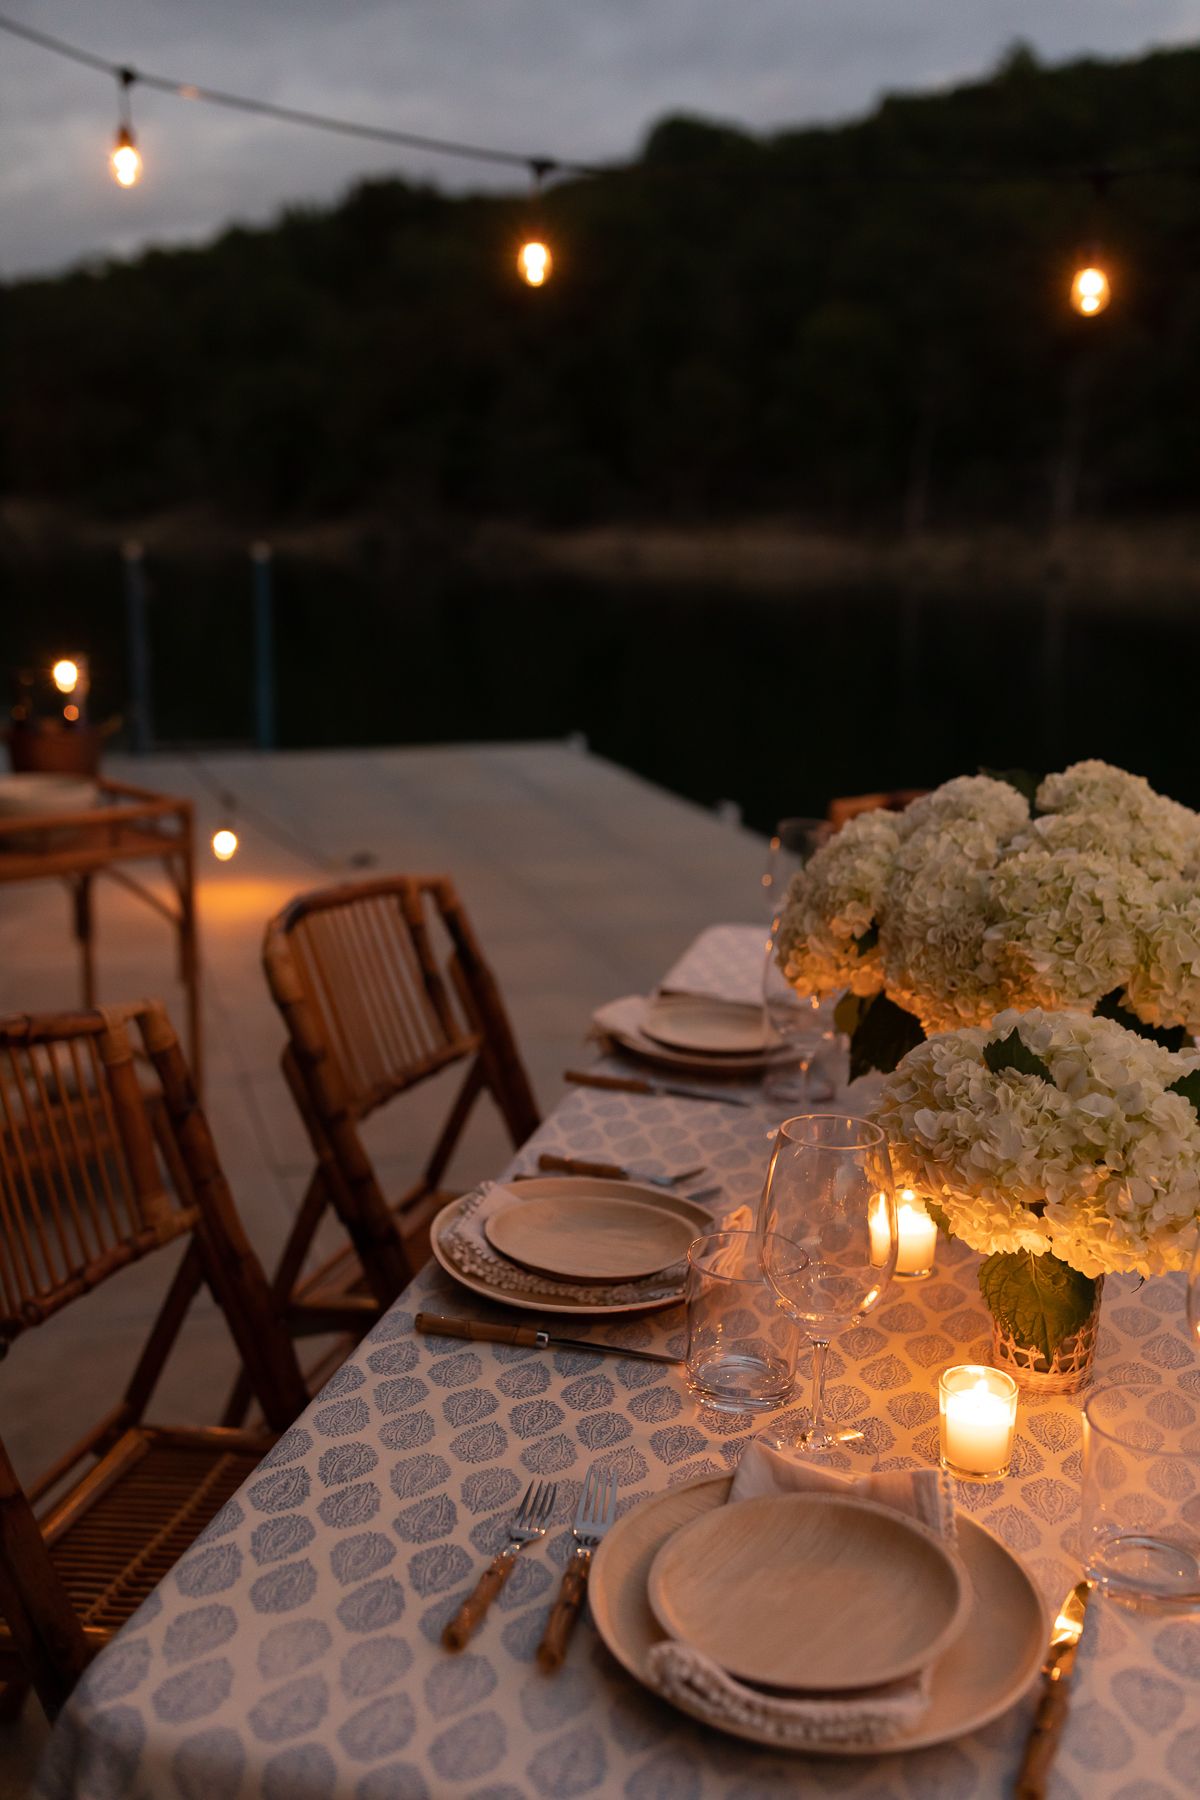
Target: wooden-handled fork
596,1512
531,1522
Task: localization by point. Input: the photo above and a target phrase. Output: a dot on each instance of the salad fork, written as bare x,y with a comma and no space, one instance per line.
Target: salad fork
596,1512
531,1522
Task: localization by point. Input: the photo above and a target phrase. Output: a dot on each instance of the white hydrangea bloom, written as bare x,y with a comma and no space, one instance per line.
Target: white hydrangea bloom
833,900
1165,987
1099,1165
1065,931
1094,806
993,803
935,916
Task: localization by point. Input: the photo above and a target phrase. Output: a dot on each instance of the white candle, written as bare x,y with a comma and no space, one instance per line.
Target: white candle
978,1419
917,1233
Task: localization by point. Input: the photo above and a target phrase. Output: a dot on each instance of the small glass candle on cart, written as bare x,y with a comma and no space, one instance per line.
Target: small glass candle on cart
917,1234
977,1408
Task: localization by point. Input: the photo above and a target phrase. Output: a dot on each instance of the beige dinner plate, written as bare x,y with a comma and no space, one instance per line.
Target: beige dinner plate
624,1021
693,1022
821,1591
593,1237
573,1187
991,1664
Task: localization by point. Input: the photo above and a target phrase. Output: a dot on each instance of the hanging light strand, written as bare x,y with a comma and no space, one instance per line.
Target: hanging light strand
125,161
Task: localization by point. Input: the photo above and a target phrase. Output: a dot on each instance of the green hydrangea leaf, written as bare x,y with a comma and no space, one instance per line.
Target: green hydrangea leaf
1040,1300
1171,1037
1024,780
1012,1052
883,1034
940,1218
848,1012
868,940
1189,1087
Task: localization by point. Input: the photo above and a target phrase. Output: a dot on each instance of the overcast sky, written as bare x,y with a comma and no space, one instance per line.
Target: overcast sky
580,78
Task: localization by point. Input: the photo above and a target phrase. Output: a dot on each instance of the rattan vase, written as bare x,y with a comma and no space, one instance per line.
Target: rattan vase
1068,1370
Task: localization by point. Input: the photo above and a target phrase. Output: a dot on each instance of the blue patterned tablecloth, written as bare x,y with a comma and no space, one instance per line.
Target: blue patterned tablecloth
293,1653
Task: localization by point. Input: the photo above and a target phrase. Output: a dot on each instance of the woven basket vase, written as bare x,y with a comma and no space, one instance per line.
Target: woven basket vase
1068,1370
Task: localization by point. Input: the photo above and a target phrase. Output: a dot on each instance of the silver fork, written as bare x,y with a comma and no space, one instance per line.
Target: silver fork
531,1522
596,1511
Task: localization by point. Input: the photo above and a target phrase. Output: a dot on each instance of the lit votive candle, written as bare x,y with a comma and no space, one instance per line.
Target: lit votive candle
978,1416
917,1235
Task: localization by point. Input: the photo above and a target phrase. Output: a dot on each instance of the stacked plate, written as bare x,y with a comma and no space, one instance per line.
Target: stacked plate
821,1596
545,1235
692,1031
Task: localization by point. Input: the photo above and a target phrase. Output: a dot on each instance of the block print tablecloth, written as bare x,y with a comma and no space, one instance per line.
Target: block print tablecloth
293,1653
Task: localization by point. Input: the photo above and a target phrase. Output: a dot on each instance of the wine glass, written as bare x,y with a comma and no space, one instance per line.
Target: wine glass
827,1220
794,1021
1193,1292
790,845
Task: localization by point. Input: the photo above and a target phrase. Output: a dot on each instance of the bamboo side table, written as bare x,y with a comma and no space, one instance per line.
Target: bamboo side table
127,825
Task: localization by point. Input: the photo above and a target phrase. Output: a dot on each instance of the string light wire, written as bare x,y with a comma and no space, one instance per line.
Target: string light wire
540,165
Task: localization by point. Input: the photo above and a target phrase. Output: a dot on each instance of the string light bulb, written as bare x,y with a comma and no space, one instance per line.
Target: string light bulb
224,843
534,262
1090,292
65,675
126,159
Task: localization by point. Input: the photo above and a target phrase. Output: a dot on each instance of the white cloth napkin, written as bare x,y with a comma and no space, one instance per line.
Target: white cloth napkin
467,1247
810,1721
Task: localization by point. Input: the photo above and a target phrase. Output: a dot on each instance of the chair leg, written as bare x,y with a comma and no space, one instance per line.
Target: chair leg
286,1275
12,1698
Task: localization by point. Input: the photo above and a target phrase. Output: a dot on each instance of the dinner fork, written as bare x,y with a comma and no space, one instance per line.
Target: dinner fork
531,1522
596,1511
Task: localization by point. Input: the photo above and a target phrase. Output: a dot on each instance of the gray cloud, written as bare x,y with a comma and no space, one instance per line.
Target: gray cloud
578,78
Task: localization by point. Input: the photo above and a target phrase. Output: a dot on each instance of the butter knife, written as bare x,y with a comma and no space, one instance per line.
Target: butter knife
634,1084
1051,1715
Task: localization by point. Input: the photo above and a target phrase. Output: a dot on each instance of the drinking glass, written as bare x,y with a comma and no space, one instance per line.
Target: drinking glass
796,1022
827,1220
741,1354
789,847
1193,1293
1141,1496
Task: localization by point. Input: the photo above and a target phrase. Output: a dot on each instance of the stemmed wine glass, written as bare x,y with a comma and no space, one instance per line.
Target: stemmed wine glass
790,845
794,1021
829,1241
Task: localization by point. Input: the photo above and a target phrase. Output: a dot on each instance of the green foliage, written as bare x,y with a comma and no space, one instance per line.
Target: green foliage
1024,780
868,939
882,1034
1039,1299
822,321
1189,1087
1171,1037
848,1011
1012,1052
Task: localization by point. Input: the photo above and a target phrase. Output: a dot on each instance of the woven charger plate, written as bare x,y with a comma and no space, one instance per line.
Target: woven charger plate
814,1591
538,1187
991,1664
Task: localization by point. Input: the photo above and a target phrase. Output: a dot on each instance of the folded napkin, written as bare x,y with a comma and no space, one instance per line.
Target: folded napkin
468,1249
810,1721
724,963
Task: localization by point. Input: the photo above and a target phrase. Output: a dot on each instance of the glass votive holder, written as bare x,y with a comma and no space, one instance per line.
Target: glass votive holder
1141,1497
917,1236
977,1416
741,1354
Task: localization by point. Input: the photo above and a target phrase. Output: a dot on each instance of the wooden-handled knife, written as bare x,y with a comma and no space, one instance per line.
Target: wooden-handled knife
1052,1709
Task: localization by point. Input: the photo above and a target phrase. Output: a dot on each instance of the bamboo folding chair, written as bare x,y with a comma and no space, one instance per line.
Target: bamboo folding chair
96,1172
382,985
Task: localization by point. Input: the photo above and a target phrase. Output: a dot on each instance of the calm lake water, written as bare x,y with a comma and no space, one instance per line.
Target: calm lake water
773,701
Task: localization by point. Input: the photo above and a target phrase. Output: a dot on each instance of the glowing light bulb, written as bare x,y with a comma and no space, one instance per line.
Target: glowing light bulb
65,675
534,262
1090,291
224,843
125,161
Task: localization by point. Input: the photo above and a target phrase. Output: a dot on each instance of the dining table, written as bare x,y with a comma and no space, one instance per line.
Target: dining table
294,1652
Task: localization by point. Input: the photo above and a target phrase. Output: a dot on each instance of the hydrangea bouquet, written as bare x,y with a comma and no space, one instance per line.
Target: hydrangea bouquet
1064,1147
974,900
